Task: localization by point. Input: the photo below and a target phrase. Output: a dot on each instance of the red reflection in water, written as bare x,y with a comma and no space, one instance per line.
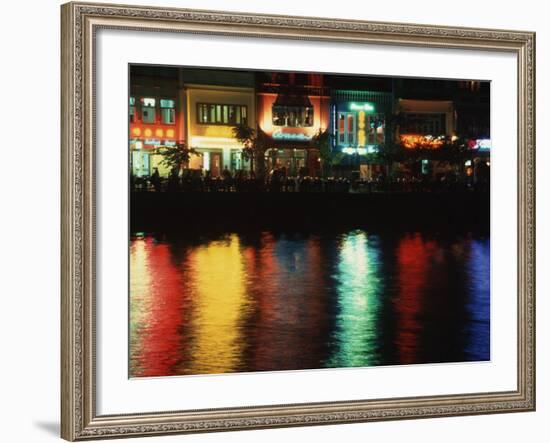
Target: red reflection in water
159,336
413,255
265,269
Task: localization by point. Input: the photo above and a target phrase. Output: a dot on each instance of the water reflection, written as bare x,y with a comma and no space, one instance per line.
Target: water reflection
217,283
279,301
359,289
158,298
413,257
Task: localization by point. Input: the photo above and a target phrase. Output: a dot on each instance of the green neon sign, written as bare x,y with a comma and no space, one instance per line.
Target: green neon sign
369,107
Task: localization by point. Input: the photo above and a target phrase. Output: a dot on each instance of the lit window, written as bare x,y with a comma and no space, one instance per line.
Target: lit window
132,109
346,128
168,111
148,110
375,129
351,129
292,116
225,115
218,114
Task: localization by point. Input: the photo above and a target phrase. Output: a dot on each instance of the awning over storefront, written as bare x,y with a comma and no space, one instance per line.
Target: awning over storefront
292,100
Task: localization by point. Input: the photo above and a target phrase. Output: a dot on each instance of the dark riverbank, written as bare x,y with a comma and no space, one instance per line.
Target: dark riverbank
199,211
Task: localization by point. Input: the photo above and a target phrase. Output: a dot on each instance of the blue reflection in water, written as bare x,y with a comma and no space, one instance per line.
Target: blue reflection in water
478,305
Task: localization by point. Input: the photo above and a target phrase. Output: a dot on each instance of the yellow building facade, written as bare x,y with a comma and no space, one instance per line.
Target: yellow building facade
212,113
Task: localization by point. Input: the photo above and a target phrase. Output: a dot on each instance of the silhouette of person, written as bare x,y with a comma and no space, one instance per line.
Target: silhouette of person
155,179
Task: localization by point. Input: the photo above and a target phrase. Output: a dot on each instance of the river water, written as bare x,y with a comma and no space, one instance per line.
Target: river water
269,301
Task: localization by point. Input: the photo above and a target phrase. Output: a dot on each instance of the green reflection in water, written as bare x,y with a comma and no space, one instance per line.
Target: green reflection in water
359,290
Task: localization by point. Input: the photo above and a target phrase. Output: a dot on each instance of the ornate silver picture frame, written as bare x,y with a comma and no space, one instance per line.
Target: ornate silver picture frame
80,23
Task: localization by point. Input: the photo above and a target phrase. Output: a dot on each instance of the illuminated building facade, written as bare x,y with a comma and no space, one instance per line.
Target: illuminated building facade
216,101
292,109
432,109
431,119
426,124
213,112
200,109
155,118
359,126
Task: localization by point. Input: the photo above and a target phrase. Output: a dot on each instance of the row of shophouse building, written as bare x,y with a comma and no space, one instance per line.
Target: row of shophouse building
200,108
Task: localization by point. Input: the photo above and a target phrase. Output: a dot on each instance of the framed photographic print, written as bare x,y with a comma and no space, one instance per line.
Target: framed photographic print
283,221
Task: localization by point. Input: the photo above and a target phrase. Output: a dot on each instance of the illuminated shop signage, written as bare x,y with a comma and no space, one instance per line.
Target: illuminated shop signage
369,149
483,144
368,107
361,134
150,143
150,132
280,135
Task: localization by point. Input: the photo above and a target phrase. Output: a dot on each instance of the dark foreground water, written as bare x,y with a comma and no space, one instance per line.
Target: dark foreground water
268,301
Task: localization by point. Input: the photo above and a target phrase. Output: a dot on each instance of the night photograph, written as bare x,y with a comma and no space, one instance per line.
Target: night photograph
296,221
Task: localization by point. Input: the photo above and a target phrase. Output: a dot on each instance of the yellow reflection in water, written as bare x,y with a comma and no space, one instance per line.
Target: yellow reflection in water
218,279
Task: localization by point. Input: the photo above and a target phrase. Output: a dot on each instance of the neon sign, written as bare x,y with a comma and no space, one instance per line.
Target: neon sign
153,142
153,131
369,149
369,107
361,135
483,144
279,135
